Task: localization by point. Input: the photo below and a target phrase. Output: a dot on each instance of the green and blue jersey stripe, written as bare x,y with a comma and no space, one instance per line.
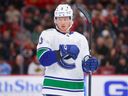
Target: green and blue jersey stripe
64,84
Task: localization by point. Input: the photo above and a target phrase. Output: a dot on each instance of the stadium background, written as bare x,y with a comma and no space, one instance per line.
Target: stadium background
22,21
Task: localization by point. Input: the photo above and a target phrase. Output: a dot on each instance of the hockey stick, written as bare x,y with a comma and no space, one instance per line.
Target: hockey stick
88,17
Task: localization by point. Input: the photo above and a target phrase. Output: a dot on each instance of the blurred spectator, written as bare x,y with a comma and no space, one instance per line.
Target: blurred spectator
122,65
112,56
108,40
101,49
49,9
2,15
35,34
31,17
5,68
12,14
123,20
39,3
6,40
106,69
20,67
27,48
35,67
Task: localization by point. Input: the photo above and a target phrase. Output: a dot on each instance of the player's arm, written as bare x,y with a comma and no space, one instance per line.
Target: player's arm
45,53
47,56
89,63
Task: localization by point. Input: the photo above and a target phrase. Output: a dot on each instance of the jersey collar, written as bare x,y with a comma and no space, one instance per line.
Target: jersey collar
65,33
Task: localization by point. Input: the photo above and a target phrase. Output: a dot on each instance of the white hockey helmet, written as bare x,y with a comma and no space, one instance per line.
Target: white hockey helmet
63,10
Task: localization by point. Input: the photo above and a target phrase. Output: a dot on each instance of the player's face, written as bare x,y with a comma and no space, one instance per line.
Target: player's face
63,23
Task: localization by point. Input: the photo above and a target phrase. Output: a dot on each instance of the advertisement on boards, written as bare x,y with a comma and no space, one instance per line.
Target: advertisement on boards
20,85
32,85
110,85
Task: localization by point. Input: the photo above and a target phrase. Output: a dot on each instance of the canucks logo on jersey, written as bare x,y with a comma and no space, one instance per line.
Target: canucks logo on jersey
67,62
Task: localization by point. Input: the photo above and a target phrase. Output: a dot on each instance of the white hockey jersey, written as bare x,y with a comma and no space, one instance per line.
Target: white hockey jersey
59,80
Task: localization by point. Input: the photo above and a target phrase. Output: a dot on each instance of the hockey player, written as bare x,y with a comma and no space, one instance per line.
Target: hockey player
63,54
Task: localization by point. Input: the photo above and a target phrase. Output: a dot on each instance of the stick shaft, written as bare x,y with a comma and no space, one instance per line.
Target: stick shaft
88,16
89,83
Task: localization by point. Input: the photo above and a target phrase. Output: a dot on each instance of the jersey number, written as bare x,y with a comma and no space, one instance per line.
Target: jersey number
41,40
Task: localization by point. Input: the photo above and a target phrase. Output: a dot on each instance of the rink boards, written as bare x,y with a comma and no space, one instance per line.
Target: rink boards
24,85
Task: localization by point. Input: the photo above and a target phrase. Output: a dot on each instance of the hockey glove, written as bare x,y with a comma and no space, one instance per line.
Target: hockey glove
89,64
66,54
69,51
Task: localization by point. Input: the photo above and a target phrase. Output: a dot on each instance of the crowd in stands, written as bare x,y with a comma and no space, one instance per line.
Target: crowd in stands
22,21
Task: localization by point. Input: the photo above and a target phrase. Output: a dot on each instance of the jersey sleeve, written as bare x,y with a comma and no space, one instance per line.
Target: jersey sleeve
43,44
85,47
44,40
45,54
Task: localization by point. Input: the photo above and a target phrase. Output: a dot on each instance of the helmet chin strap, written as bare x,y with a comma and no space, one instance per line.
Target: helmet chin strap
69,26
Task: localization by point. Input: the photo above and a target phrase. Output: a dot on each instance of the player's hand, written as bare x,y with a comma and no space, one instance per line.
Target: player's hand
69,51
89,64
